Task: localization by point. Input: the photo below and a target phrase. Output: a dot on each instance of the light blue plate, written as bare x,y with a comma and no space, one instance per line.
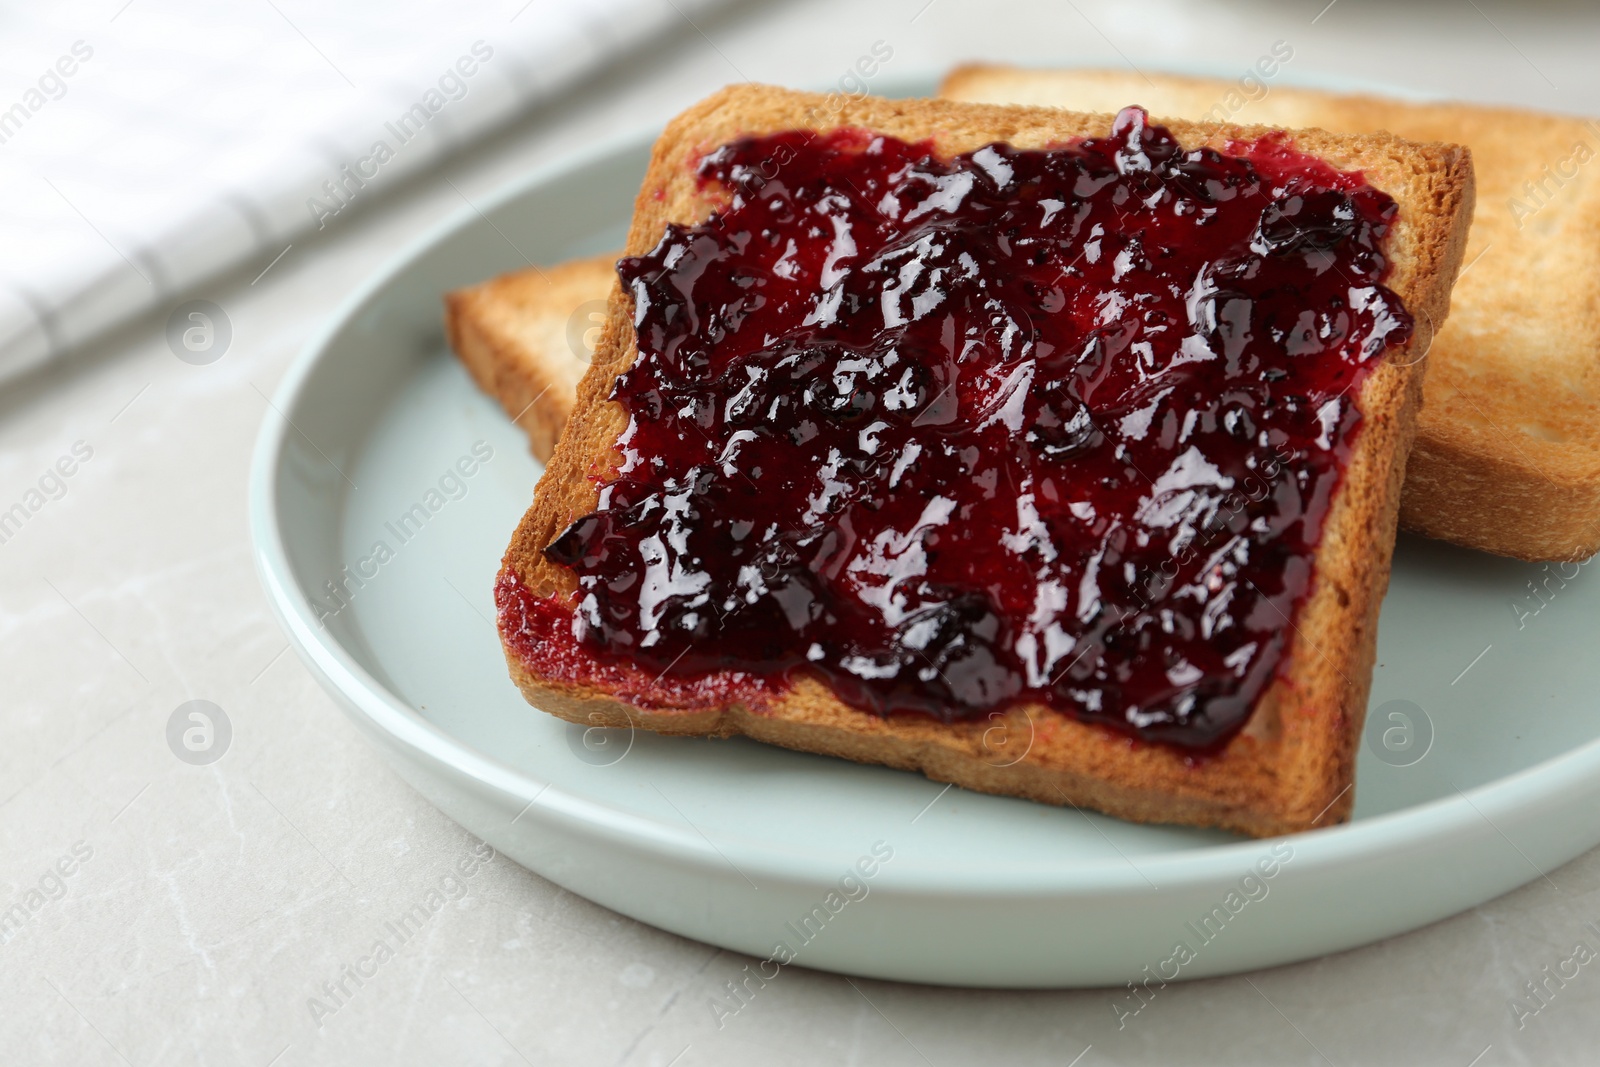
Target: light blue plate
1490,682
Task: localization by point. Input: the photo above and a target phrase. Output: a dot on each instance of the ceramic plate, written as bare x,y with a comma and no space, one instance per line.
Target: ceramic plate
385,488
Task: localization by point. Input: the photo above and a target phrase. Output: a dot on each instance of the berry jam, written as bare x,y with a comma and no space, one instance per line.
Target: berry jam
1057,426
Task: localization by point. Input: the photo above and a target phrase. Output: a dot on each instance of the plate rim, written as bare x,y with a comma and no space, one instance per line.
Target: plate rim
374,706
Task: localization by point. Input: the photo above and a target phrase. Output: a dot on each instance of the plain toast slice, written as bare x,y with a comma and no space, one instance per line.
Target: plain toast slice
527,339
1291,766
1508,450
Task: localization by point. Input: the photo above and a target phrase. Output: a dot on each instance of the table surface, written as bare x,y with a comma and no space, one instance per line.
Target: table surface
208,912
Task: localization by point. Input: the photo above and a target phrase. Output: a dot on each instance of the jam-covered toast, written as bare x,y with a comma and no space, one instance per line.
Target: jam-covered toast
1046,456
1508,448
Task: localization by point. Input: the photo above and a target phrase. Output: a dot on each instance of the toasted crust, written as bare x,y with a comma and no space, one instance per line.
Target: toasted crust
1292,765
527,338
1508,450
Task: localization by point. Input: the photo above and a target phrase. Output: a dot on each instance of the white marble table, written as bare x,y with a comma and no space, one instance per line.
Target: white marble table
174,913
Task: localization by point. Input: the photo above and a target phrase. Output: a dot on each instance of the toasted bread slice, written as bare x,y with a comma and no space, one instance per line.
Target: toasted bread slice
1291,766
527,338
1508,451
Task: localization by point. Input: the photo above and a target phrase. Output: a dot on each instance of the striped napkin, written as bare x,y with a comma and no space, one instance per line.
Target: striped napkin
146,145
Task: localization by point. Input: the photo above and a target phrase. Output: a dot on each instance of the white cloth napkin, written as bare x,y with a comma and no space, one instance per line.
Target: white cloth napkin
146,145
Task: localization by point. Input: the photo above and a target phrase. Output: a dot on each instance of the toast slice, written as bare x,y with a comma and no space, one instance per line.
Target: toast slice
1290,766
1508,451
528,337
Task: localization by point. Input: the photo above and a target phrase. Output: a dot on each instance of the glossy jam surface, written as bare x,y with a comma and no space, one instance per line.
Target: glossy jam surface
1055,426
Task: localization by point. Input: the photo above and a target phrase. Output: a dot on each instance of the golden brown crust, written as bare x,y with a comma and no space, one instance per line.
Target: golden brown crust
1291,767
525,339
1508,450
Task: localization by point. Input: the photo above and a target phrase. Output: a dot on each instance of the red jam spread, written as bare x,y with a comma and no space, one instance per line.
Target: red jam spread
1057,426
